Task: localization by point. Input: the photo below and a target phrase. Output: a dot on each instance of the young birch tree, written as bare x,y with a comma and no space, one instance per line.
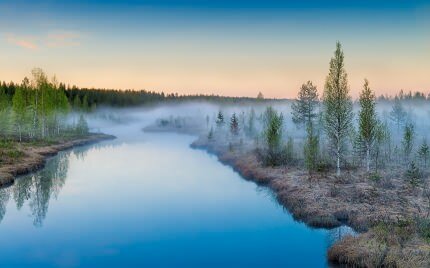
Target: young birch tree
367,120
337,105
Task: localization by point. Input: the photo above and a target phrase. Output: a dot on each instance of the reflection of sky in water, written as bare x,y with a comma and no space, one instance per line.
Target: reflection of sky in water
154,202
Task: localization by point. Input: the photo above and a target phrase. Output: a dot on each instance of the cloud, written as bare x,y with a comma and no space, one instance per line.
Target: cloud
62,39
21,41
56,39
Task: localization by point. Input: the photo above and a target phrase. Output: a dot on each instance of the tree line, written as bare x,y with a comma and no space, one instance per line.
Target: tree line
88,99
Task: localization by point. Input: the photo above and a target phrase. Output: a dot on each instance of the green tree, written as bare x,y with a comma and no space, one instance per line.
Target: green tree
77,102
413,174
273,136
304,108
367,120
19,106
220,119
424,153
381,143
311,149
337,105
234,125
82,126
408,140
5,118
85,105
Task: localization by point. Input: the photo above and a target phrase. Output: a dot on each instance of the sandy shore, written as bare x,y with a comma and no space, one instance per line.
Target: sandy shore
34,156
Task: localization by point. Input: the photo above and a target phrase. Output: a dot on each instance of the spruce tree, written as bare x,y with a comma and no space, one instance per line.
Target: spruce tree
234,125
367,120
413,174
424,153
220,119
337,106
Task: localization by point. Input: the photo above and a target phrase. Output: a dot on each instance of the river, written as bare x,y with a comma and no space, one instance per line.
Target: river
149,200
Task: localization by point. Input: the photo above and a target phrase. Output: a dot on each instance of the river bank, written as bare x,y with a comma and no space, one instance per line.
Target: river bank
25,157
384,215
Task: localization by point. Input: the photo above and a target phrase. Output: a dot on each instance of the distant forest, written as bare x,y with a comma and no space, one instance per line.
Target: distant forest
89,98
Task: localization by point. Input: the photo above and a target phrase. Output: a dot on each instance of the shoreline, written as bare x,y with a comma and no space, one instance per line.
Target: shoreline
327,202
35,156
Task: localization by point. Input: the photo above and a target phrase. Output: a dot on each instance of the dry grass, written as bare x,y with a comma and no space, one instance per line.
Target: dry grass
383,246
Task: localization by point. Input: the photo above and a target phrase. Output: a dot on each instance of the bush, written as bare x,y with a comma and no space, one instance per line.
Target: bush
375,176
423,226
413,174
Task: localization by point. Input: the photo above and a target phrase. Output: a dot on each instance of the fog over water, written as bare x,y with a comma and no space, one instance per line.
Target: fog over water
148,199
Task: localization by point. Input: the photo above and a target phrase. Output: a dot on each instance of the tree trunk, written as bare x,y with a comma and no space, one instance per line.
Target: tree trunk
338,161
367,159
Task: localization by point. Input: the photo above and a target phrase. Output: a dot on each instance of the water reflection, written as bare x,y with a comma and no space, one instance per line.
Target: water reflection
4,198
40,187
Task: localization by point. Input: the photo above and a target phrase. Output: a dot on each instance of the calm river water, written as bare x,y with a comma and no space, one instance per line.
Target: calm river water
149,200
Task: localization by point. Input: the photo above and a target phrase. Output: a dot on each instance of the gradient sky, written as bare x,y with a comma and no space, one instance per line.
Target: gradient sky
222,47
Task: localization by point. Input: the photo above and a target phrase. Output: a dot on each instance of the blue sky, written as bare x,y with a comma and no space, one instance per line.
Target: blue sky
220,47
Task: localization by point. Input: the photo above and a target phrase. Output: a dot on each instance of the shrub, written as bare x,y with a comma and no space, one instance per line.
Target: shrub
413,174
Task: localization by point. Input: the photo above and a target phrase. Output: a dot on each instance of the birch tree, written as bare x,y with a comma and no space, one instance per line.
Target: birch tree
367,120
337,105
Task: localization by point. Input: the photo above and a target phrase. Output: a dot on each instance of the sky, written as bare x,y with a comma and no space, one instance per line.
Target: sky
226,47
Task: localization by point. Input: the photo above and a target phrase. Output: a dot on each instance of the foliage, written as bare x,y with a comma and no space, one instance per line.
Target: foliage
408,140
234,125
36,109
337,105
311,149
304,108
220,119
273,136
413,174
82,126
367,120
424,153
